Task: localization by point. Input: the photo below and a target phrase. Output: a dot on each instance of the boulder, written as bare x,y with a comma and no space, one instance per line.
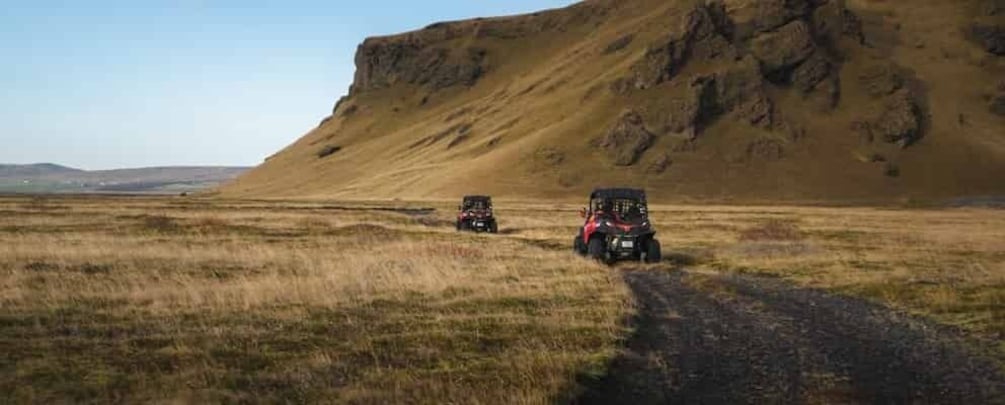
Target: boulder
900,120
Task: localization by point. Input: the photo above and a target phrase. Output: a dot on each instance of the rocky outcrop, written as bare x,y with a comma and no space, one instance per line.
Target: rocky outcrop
383,63
832,20
737,90
990,36
432,58
683,115
817,68
787,42
750,17
740,90
785,48
627,140
696,33
987,29
899,121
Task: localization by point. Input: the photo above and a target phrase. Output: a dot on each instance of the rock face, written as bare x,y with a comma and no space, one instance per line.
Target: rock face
740,89
784,48
382,64
626,141
697,33
784,42
431,58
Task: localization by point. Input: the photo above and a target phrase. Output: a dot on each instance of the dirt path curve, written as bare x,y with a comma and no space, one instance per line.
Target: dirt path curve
741,339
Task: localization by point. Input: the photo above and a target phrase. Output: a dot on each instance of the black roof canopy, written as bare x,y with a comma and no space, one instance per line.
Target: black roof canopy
626,193
477,198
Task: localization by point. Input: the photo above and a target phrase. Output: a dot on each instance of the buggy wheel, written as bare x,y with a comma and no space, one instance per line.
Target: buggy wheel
654,253
493,227
578,247
597,250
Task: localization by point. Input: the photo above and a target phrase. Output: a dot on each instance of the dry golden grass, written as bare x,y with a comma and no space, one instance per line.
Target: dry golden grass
140,300
160,300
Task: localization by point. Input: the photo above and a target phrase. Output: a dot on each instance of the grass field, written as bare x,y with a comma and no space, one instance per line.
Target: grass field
140,300
167,299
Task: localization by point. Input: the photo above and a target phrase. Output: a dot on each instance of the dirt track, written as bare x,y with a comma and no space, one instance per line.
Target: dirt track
741,339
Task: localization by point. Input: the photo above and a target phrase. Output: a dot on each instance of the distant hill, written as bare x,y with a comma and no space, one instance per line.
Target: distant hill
52,178
38,169
711,99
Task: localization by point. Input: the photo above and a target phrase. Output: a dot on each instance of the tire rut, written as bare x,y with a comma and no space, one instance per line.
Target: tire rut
743,339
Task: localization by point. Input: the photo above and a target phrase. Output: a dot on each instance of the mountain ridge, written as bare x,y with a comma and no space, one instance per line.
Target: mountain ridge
721,99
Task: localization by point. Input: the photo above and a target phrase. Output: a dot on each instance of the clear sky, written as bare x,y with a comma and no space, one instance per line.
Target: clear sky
110,84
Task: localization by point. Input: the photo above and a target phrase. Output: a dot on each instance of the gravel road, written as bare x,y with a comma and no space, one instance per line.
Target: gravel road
711,338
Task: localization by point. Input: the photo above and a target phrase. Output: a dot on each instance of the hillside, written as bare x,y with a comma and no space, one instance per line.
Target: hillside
721,99
51,178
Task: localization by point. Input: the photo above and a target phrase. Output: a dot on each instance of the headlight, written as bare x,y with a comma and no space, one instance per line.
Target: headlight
609,223
645,224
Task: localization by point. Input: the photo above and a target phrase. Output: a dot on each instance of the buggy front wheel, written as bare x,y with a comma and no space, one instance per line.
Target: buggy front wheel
654,253
596,249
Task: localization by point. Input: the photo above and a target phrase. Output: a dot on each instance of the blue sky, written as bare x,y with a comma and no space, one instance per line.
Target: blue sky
110,84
